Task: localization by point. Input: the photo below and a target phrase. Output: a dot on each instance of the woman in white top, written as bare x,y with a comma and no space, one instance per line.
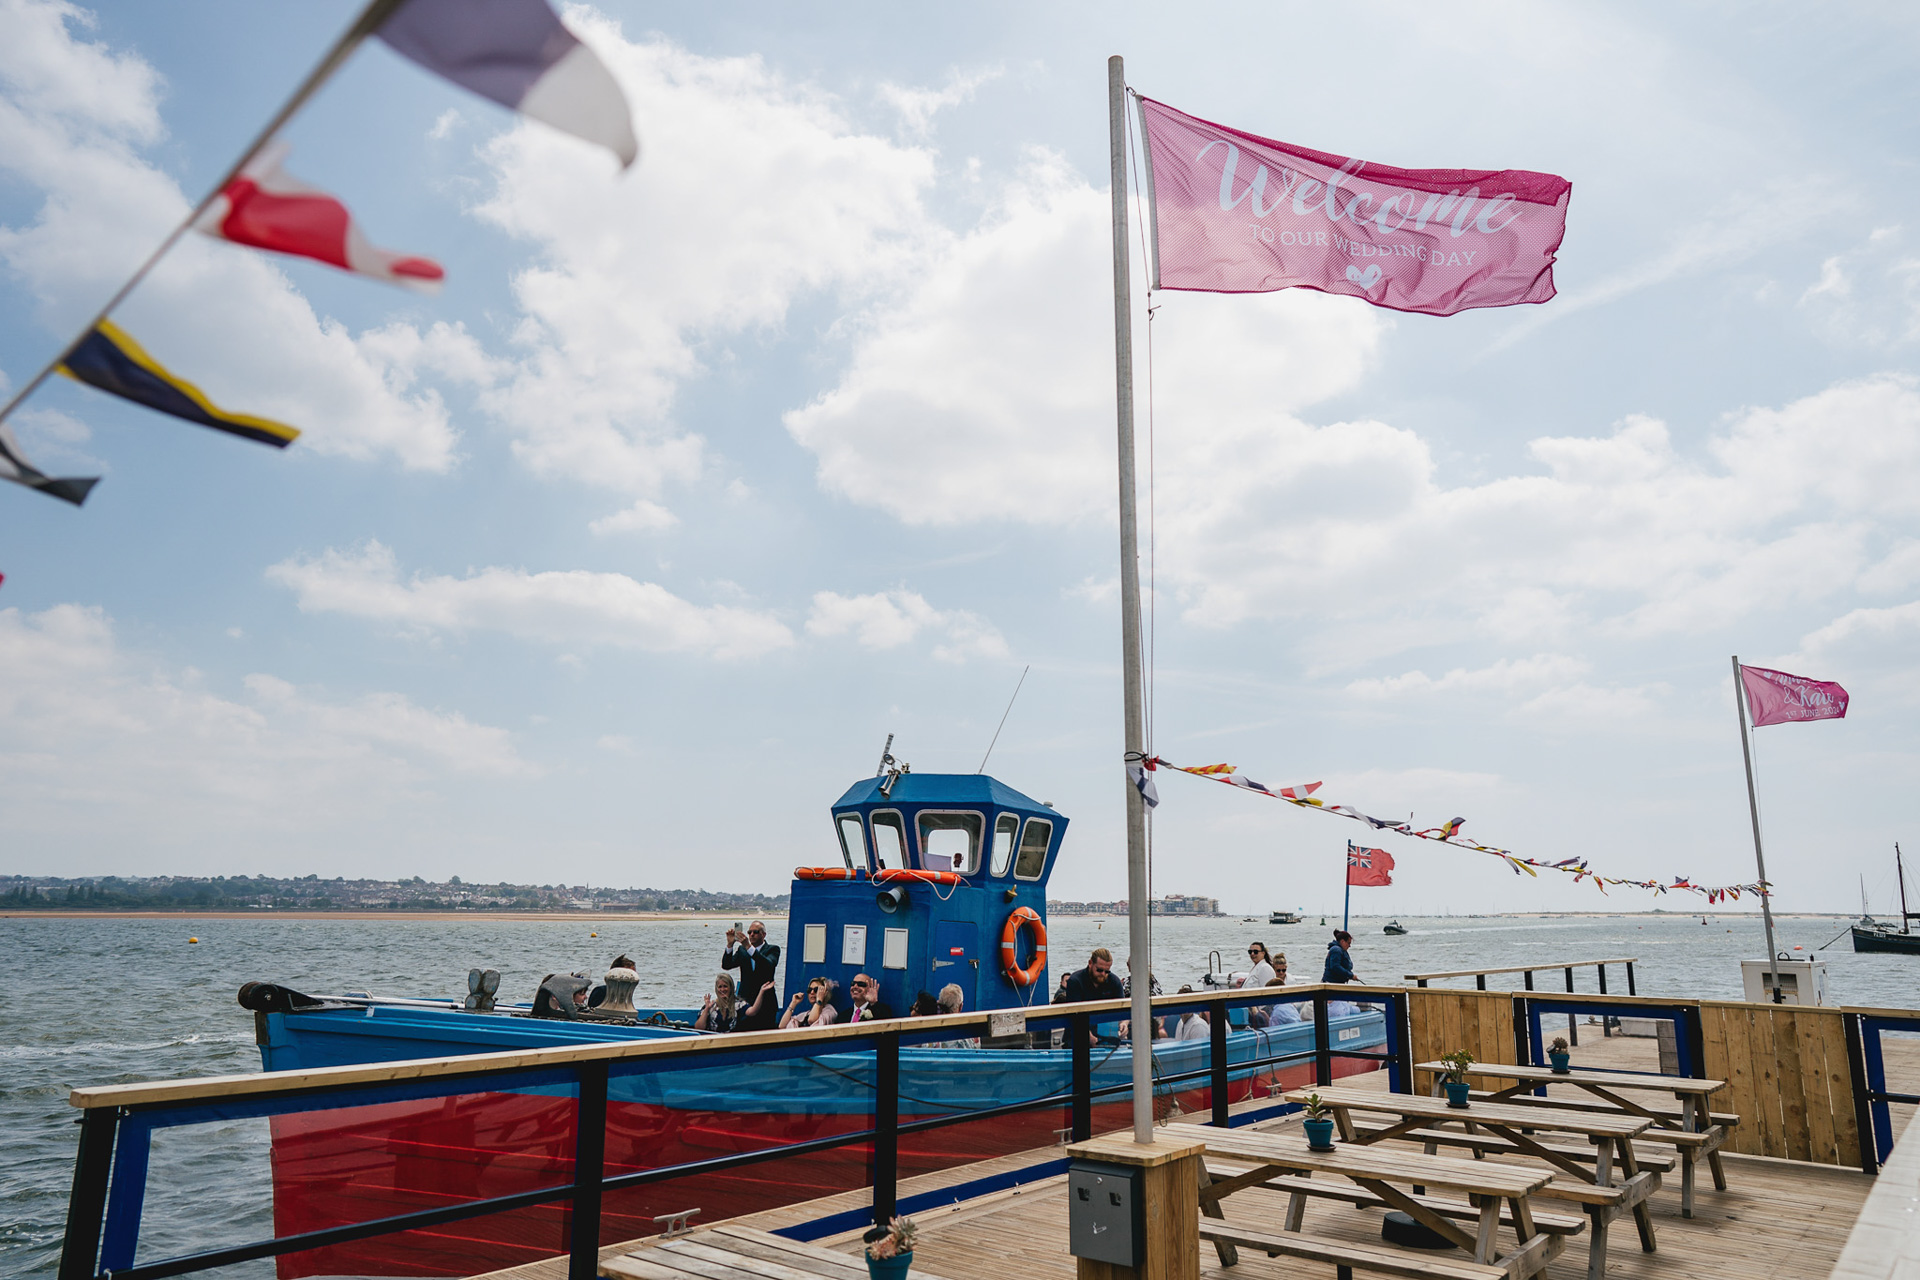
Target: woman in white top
1262,972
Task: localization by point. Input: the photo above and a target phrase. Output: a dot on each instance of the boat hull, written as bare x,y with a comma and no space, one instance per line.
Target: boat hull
343,1166
1886,940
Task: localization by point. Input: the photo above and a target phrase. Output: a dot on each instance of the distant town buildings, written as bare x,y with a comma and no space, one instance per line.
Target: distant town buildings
311,893
1174,904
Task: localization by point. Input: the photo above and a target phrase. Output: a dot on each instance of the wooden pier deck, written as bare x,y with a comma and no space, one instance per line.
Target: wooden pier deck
1777,1219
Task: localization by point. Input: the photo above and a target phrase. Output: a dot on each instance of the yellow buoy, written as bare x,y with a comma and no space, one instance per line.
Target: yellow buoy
193,939
593,935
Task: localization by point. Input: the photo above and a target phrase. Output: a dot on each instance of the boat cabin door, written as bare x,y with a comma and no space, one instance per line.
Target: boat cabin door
954,959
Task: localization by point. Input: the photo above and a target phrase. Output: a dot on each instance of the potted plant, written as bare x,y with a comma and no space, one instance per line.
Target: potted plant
1557,1054
1457,1063
890,1249
1319,1124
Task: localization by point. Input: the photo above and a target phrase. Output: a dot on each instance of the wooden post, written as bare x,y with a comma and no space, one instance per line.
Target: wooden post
1170,1191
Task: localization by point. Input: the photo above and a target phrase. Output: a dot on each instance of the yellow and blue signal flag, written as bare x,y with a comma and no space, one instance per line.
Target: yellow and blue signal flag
109,359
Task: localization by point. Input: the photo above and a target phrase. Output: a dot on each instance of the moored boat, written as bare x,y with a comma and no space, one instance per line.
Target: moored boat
1873,935
942,879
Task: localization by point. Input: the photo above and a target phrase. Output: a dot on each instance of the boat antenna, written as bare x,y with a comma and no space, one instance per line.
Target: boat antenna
886,757
1003,718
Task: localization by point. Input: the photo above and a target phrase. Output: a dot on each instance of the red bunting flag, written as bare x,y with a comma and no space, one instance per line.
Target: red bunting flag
267,208
1368,866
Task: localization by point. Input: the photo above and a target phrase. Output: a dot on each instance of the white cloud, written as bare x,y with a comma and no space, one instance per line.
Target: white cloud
73,117
562,607
918,107
445,123
1505,676
988,393
1868,295
94,733
641,517
758,193
889,619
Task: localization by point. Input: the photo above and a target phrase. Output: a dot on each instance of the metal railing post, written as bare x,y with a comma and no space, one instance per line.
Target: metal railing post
1606,1019
1400,1043
589,1169
1479,982
1322,1042
1697,1048
1573,1019
88,1204
1217,1061
1080,1035
886,1125
1630,988
1529,979
1862,1113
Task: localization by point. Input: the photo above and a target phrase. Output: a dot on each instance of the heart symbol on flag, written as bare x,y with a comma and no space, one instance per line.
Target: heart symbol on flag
1365,279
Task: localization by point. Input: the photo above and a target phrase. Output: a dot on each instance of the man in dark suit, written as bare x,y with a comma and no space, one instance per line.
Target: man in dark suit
756,959
867,1005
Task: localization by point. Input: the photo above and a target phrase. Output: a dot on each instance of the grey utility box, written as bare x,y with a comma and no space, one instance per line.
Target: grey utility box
1106,1216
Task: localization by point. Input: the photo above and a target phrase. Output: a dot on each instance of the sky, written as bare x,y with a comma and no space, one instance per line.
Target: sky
617,561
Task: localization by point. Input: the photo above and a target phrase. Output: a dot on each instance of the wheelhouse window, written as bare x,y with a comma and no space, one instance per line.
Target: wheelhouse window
1033,849
889,840
951,841
853,845
1005,828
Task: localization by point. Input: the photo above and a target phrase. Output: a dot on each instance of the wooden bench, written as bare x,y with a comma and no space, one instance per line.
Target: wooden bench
1664,1114
724,1251
1565,1224
1345,1256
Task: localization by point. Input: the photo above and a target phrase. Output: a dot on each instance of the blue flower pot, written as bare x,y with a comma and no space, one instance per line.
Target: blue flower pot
1457,1091
1320,1134
1560,1061
894,1268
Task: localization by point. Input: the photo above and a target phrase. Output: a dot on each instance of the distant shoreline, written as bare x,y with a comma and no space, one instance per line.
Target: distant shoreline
579,917
541,917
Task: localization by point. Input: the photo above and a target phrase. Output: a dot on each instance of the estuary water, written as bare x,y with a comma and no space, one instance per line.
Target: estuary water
103,1001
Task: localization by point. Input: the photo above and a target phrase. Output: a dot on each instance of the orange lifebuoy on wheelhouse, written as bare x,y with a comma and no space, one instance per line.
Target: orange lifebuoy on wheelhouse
1010,947
887,875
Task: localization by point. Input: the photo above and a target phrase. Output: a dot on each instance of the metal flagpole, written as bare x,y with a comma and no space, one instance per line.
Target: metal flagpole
1346,907
376,12
1753,809
1139,927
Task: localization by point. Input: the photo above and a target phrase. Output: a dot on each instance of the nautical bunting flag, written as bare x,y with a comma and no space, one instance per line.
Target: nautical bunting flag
518,53
1368,866
15,467
1234,213
1139,772
1774,697
113,362
1447,834
267,208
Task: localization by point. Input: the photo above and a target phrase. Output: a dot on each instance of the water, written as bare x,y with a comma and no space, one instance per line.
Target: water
121,1000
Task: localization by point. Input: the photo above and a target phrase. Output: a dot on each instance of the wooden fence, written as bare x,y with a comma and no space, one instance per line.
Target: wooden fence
1785,1065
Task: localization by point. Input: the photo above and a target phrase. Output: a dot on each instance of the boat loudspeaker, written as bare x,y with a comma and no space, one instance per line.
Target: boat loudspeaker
891,898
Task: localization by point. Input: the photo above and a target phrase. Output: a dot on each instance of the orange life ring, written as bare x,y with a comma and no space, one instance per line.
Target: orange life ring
822,873
1010,950
887,874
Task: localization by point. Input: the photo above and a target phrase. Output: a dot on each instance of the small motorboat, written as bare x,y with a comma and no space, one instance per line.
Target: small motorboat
1395,928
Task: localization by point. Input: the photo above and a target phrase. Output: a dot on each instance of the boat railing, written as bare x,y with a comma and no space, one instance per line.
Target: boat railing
117,1121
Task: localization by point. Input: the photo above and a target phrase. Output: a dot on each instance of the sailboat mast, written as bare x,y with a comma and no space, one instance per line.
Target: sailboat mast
1900,871
1139,927
1753,808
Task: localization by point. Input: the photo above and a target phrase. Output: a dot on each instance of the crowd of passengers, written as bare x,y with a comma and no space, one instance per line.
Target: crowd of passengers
749,1003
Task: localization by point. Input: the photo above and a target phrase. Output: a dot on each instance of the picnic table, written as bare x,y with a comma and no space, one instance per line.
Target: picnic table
1512,1128
1384,1176
1696,1130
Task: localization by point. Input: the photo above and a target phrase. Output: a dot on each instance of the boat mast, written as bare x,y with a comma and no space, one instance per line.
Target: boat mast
1753,808
1139,928
1900,871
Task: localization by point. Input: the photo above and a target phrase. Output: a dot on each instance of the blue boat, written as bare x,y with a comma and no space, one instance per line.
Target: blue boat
942,881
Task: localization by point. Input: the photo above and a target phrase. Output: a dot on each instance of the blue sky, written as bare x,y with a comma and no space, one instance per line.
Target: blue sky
617,561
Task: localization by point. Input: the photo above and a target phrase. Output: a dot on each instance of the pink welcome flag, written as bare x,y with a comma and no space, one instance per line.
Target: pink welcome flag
1774,697
1235,213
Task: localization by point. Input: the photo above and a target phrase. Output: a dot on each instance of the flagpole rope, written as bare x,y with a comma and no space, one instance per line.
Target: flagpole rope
376,12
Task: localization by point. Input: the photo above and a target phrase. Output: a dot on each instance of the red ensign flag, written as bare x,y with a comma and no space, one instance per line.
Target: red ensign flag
1368,866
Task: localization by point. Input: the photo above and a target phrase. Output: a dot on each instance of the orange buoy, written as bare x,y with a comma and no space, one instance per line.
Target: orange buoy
1018,918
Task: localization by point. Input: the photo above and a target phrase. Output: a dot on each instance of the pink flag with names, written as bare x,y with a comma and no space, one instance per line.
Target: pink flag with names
1774,697
1236,213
